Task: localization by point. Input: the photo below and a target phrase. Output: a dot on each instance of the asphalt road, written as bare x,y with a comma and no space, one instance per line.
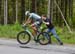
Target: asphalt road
12,47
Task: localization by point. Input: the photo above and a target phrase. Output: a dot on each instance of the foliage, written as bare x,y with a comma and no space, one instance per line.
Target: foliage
9,31
65,36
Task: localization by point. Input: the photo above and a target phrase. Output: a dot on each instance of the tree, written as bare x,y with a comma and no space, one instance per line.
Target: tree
16,10
49,9
13,10
62,16
33,6
22,10
49,12
0,9
0,6
5,12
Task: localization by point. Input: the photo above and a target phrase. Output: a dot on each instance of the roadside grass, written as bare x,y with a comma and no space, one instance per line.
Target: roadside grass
11,31
65,36
68,37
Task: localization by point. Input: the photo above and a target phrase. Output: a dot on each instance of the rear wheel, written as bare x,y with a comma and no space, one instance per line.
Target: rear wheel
50,34
23,37
43,38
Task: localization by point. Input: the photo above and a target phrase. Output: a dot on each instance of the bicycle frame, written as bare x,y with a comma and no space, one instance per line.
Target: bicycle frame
27,30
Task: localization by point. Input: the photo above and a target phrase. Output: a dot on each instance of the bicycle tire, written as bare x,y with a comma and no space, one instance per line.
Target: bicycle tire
41,38
26,34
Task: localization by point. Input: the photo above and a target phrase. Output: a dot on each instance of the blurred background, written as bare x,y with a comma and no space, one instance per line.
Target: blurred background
12,14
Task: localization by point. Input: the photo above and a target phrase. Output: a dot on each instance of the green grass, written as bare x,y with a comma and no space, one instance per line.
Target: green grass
10,31
66,38
65,35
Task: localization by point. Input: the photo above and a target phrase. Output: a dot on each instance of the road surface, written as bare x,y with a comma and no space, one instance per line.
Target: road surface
12,47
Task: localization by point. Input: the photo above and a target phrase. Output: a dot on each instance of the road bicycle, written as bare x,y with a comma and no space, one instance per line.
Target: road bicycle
25,36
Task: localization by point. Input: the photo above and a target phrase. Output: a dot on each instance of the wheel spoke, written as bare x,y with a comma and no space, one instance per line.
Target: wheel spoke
43,39
23,37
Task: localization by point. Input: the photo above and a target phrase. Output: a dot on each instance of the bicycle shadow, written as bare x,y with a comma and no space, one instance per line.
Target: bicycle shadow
36,48
48,48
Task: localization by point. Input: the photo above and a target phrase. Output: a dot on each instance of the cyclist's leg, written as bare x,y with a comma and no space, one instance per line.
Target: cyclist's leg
37,25
55,35
34,29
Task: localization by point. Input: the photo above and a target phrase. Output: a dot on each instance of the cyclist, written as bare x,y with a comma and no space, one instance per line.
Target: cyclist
35,21
51,28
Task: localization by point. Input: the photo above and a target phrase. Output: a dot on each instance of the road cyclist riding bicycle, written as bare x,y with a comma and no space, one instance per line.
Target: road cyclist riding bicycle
35,21
39,36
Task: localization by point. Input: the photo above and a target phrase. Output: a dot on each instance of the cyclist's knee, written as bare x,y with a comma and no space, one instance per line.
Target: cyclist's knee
34,28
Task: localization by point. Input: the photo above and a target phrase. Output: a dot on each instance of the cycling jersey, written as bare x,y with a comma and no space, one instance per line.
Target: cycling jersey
35,17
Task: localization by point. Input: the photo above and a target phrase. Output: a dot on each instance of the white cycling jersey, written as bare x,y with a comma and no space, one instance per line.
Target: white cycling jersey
34,16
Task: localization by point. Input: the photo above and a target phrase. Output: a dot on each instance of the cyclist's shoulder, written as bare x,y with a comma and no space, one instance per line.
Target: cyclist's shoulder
33,13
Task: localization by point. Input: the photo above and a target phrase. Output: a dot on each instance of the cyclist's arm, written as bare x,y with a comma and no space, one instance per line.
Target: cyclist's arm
28,21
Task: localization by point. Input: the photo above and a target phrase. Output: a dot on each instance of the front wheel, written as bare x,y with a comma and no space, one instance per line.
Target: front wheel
23,37
43,38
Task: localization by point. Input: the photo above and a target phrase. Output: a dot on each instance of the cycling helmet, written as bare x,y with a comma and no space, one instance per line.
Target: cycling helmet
27,13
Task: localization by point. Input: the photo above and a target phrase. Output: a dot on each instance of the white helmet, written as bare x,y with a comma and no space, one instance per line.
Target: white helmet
27,12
